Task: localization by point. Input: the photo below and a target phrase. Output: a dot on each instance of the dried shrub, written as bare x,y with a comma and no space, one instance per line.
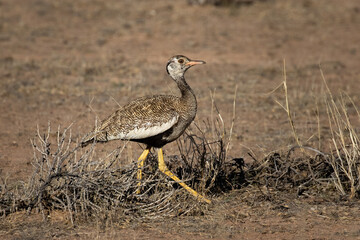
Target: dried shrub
289,171
69,178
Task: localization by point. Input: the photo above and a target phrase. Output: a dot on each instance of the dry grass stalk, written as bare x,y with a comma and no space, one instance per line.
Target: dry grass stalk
287,106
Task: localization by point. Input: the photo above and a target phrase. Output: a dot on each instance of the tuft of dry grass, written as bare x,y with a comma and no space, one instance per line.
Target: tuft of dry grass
345,148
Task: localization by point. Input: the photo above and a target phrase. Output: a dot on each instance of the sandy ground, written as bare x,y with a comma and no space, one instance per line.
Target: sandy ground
70,61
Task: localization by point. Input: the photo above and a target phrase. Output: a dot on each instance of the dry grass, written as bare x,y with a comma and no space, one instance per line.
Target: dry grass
345,157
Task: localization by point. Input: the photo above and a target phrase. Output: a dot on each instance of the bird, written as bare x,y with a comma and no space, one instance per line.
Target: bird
154,121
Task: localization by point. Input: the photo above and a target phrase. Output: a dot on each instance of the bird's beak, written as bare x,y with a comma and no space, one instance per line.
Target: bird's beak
194,62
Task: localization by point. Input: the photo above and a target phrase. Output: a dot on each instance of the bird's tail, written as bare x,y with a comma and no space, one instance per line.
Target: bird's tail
88,138
94,136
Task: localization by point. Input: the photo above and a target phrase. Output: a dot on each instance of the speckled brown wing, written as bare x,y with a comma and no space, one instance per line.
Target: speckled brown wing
142,118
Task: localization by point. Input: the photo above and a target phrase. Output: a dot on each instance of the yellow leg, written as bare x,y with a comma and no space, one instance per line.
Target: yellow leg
165,170
140,166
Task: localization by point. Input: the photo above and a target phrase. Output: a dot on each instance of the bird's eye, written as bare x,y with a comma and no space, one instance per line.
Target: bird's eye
181,61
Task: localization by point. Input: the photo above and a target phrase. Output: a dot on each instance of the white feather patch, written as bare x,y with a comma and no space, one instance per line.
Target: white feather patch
145,131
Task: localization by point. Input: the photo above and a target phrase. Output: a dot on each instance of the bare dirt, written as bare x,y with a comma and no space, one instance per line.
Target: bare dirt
70,61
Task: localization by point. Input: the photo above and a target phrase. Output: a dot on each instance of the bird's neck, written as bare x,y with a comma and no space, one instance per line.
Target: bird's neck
187,101
186,91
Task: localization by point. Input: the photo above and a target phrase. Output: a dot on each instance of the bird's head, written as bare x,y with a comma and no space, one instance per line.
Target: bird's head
177,66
